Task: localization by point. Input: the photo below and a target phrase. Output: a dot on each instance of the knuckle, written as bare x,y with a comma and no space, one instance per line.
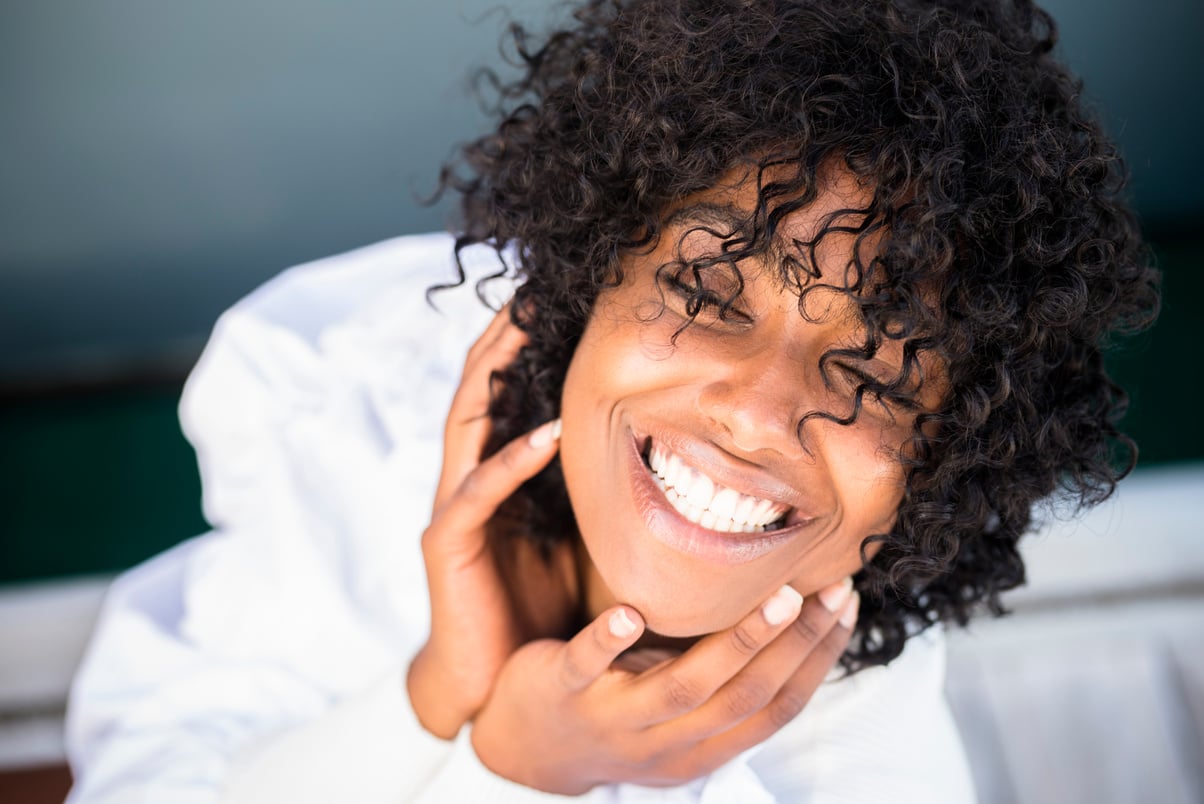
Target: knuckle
636,756
471,487
785,707
509,458
600,640
481,344
809,630
742,698
682,694
429,537
570,669
688,768
744,641
831,648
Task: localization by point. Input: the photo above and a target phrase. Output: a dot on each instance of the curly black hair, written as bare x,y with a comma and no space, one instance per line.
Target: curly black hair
1006,248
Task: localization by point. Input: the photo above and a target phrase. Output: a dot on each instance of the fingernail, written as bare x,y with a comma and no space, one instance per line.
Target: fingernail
848,617
783,606
834,596
621,625
544,434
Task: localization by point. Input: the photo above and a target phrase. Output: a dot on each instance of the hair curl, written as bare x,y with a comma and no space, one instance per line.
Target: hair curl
1007,249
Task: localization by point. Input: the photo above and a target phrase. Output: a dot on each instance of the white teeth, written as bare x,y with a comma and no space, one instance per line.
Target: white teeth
701,490
674,472
724,503
759,511
704,502
744,509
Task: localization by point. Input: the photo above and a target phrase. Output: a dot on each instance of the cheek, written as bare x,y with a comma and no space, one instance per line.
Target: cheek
622,357
866,472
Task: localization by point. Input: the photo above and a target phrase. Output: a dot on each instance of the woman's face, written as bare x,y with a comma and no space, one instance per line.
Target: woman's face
696,492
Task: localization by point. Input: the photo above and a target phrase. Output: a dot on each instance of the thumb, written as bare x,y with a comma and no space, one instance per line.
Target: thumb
591,652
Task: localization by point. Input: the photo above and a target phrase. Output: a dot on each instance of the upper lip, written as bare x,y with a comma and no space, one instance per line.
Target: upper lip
726,469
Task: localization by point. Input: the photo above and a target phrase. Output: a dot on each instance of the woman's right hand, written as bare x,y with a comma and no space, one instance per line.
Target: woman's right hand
566,716
473,624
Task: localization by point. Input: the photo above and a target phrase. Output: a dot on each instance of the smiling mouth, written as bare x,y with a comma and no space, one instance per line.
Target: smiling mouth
708,504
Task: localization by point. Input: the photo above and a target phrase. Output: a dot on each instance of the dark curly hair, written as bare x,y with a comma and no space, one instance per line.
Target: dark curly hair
1006,249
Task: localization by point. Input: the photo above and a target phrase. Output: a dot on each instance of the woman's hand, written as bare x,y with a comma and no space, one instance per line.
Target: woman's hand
473,624
563,717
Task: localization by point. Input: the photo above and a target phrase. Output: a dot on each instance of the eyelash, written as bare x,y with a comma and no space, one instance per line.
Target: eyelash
705,299
862,379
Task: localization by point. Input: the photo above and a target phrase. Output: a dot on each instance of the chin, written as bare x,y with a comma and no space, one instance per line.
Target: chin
679,604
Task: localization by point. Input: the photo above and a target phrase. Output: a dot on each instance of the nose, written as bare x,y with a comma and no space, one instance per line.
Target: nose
759,401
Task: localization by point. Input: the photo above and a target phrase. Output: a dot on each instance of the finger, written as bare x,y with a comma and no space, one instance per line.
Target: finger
794,695
641,660
596,647
764,676
690,681
688,754
459,523
500,321
494,350
468,426
781,679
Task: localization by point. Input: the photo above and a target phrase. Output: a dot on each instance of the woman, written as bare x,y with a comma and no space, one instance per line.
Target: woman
810,307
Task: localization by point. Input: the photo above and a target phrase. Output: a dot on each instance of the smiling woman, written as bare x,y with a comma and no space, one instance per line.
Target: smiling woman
917,182
808,304
719,374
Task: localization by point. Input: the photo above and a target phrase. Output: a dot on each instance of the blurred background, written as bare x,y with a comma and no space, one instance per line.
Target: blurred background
159,160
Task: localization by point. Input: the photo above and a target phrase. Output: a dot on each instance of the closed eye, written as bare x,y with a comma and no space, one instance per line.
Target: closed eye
698,298
878,387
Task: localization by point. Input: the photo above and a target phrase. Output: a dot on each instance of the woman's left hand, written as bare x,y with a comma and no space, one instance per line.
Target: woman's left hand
564,718
478,608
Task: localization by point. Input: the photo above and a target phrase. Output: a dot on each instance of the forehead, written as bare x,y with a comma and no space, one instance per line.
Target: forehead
822,237
838,195
821,247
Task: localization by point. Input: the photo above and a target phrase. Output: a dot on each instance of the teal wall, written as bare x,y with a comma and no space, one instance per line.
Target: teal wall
158,160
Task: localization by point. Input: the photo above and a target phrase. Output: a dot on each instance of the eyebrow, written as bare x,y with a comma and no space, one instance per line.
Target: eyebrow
735,222
711,214
728,219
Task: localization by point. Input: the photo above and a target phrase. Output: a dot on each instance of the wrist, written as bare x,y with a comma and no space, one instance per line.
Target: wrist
499,744
433,703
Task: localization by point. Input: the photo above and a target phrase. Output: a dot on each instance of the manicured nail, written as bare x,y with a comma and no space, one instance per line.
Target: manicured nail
848,617
834,596
784,605
544,434
621,625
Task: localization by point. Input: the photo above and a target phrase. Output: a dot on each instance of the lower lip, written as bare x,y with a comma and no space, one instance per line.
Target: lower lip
673,530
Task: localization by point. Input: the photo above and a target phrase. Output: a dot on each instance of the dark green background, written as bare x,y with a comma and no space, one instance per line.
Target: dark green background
160,160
